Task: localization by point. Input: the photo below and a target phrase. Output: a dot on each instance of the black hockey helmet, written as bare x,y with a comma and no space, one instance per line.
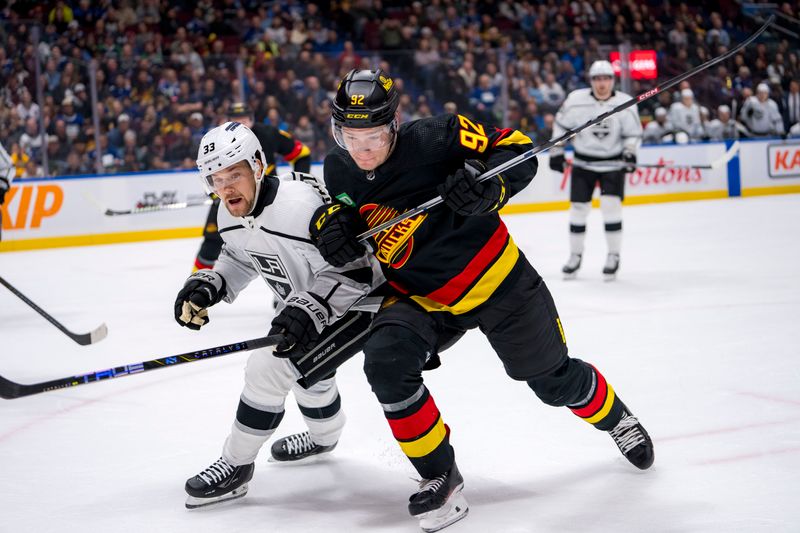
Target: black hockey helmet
239,109
365,99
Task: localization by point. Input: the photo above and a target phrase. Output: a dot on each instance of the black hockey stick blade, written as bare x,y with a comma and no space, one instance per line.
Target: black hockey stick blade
96,335
10,390
571,133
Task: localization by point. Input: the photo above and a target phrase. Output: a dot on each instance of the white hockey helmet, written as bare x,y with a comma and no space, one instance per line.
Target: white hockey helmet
601,68
225,146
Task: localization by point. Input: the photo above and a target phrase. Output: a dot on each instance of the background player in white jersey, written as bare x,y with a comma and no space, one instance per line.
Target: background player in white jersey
761,115
685,116
7,172
658,130
723,127
614,140
321,315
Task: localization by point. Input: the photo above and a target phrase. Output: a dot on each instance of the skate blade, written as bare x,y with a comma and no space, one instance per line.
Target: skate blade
451,512
195,503
310,460
610,277
570,275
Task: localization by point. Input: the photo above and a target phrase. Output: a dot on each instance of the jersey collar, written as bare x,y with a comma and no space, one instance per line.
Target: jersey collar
269,189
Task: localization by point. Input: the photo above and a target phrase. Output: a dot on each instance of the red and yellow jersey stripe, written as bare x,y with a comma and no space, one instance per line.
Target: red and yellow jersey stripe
477,281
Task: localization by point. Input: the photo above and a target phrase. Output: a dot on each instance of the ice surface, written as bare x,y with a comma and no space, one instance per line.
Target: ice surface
699,336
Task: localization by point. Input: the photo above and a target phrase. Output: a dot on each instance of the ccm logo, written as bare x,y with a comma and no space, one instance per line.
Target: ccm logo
648,94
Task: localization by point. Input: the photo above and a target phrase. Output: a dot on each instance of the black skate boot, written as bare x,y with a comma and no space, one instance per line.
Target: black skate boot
219,482
611,267
570,270
298,446
633,441
439,501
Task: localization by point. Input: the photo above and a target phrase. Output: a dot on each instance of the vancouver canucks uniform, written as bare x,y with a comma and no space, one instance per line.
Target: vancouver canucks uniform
450,273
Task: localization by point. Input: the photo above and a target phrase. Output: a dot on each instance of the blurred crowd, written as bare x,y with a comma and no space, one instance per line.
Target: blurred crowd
167,71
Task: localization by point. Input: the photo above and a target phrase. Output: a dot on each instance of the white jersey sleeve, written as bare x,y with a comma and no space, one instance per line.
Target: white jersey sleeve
276,245
7,169
607,140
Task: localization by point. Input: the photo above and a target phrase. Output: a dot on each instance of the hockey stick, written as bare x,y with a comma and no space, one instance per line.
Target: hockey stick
571,133
10,390
96,335
155,208
614,165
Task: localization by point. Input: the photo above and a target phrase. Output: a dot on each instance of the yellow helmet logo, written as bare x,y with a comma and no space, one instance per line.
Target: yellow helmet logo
357,115
386,82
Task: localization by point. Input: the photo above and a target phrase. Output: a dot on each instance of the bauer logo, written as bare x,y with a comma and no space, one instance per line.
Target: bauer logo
784,160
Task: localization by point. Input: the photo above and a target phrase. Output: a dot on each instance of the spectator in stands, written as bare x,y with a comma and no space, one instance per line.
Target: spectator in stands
791,105
27,108
32,140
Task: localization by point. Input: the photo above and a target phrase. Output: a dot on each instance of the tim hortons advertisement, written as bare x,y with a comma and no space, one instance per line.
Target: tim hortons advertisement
672,179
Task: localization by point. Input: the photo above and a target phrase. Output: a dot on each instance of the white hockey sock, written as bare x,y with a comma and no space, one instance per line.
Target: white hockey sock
578,215
321,409
611,206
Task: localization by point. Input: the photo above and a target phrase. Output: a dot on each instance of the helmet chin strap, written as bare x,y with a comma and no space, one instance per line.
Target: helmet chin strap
257,192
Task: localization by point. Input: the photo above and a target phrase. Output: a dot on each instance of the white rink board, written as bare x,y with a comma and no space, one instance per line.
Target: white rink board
549,186
59,211
772,163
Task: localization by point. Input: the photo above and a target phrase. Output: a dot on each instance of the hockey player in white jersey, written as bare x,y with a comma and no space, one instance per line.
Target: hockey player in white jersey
7,173
322,315
685,116
604,154
761,115
658,130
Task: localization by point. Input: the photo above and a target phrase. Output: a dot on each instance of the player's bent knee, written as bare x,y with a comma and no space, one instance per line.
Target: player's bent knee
391,353
566,385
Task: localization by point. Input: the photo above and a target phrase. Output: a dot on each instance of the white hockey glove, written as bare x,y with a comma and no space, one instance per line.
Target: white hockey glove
300,322
202,289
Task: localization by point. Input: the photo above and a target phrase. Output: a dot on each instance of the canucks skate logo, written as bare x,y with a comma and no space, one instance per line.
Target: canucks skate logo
273,272
395,243
602,130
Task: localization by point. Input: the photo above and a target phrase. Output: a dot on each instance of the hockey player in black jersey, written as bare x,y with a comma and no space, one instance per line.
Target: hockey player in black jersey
453,268
273,141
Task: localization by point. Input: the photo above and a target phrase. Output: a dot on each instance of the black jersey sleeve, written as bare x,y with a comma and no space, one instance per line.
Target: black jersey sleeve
277,141
477,140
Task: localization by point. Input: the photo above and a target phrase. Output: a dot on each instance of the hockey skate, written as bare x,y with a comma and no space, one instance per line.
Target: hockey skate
219,482
633,441
570,270
296,447
439,502
611,267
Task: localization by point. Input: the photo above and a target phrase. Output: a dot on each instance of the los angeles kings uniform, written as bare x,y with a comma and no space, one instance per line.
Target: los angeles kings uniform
273,243
450,272
273,141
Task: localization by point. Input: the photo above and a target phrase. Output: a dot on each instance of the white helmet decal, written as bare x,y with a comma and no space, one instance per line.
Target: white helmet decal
601,68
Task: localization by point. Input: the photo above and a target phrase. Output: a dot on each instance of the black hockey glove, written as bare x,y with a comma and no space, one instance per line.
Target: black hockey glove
3,189
202,289
465,195
629,158
334,230
557,162
300,323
